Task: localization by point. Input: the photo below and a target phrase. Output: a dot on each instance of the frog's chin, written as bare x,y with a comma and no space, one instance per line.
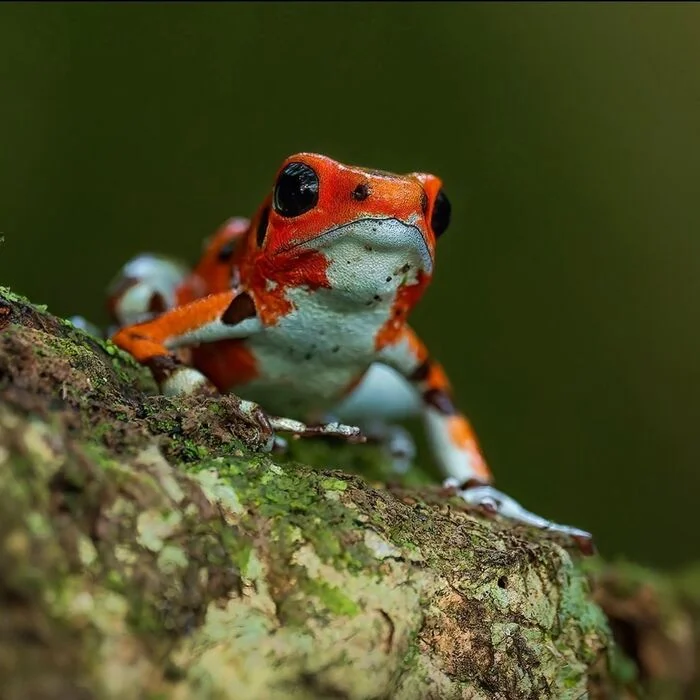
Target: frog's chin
382,245
369,260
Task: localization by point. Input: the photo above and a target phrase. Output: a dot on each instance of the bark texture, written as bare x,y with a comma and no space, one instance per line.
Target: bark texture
148,551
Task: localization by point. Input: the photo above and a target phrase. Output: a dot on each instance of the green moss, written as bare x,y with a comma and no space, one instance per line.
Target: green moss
159,421
193,451
331,484
8,295
141,555
240,553
331,597
412,649
11,297
570,677
358,459
367,460
129,372
100,430
118,473
576,604
79,335
292,500
111,349
69,349
215,408
120,357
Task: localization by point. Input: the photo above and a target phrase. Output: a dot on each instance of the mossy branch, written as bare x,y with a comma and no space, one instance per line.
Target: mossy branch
147,552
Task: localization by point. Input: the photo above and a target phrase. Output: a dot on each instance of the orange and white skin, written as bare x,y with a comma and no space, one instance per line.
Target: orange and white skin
303,312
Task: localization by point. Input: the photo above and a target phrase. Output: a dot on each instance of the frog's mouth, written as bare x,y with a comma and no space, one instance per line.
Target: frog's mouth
382,235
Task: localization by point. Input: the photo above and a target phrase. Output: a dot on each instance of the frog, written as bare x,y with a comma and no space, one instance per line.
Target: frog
301,313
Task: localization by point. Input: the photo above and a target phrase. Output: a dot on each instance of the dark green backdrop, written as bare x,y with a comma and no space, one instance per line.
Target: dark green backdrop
565,304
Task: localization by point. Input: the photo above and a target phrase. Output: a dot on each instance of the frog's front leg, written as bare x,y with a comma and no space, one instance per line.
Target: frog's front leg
216,317
454,443
224,316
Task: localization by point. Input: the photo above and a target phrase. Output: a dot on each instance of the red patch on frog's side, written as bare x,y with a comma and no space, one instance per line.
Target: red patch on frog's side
193,287
270,279
407,296
226,363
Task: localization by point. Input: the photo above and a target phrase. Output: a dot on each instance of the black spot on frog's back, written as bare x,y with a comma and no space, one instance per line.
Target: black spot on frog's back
361,192
241,308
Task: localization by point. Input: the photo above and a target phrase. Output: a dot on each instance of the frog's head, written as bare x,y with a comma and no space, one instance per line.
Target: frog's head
368,225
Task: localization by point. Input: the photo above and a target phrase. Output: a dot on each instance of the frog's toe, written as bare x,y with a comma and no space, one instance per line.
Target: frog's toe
397,443
495,502
350,433
280,446
262,433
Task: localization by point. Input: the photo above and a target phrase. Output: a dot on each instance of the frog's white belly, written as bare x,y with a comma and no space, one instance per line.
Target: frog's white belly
307,362
309,359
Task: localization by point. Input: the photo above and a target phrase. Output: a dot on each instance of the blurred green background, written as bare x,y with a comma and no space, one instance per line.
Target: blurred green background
566,295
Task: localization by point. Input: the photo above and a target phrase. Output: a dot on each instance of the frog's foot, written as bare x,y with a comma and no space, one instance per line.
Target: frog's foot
397,444
258,430
298,429
496,502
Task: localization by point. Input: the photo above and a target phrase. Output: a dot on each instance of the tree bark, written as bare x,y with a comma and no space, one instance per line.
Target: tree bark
147,550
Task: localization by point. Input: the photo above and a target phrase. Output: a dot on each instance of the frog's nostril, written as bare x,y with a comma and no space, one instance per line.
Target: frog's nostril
424,202
360,193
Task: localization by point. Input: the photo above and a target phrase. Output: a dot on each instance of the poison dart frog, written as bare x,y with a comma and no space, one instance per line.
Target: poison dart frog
302,313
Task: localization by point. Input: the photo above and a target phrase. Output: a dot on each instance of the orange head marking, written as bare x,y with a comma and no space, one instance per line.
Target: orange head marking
313,195
355,218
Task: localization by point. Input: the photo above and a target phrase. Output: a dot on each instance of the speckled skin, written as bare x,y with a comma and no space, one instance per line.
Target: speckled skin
306,305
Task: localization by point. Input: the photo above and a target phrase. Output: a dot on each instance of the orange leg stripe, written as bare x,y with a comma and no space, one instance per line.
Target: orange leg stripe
149,339
463,437
448,423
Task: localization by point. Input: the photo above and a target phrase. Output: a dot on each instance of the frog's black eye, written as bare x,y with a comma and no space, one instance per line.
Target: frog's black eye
442,209
296,190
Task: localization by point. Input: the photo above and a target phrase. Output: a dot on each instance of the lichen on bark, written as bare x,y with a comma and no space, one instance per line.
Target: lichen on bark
146,551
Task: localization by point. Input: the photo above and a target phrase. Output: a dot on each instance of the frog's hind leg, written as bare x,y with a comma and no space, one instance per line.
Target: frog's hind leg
454,442
397,443
150,284
382,398
145,287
